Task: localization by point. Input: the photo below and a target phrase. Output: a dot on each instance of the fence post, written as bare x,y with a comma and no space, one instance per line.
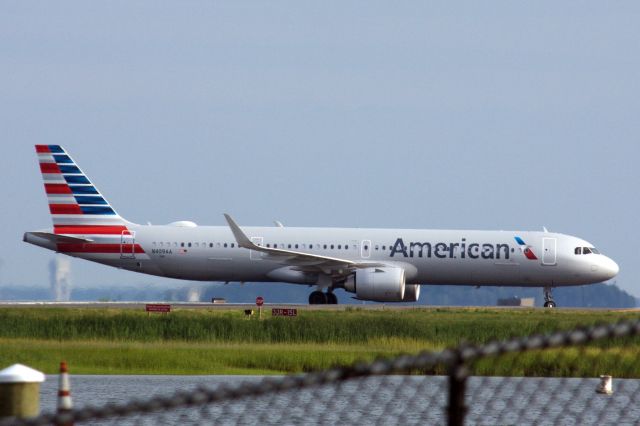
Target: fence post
457,384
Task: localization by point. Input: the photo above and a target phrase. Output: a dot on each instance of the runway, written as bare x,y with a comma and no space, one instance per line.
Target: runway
243,306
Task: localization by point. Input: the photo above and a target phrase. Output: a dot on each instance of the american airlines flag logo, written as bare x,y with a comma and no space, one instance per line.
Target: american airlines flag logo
79,209
526,249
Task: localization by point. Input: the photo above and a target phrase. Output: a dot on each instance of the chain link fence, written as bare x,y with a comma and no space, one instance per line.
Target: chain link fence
557,377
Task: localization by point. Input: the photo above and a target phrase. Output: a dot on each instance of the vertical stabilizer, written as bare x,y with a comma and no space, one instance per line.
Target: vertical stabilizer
74,202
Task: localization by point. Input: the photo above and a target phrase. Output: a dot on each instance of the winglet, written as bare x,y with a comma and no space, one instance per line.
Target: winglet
240,236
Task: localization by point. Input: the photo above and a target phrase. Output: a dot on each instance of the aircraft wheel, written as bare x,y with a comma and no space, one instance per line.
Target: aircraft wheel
332,299
317,298
550,304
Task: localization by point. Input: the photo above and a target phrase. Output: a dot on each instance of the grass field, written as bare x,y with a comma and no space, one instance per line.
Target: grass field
124,341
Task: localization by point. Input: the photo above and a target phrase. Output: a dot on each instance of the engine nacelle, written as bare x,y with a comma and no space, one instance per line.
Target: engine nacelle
411,293
378,284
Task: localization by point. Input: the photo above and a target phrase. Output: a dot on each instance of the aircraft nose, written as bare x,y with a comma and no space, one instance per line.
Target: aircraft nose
610,268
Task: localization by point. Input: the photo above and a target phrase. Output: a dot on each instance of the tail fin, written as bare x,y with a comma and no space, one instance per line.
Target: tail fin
73,200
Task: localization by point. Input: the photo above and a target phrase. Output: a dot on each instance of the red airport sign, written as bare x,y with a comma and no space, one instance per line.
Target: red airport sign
259,301
282,312
157,307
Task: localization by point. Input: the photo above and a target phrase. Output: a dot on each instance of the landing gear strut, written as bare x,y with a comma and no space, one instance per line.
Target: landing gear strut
548,298
321,298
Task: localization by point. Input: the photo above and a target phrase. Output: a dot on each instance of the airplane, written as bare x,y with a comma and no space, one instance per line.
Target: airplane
382,265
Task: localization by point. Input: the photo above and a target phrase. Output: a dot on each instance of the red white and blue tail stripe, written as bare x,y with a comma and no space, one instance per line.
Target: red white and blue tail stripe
73,199
79,210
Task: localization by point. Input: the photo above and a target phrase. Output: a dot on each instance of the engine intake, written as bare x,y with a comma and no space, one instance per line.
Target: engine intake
385,284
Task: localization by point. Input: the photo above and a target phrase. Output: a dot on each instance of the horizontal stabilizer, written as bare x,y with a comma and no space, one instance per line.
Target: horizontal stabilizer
57,238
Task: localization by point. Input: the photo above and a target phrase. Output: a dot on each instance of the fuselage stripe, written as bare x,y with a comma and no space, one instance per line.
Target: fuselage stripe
99,248
86,230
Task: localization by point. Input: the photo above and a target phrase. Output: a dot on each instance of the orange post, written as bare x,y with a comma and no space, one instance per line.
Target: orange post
64,390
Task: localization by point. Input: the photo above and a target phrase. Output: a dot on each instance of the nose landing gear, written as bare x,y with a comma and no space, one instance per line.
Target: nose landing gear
548,298
321,298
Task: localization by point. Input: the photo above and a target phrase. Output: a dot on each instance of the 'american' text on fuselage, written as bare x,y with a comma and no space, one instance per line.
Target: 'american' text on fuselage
451,250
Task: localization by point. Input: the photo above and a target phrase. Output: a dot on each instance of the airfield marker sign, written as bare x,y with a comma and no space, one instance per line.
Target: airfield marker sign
157,307
284,312
259,303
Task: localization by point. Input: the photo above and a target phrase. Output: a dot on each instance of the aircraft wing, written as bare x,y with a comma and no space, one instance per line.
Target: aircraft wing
302,261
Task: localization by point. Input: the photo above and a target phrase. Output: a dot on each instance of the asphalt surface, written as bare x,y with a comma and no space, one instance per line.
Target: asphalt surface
232,306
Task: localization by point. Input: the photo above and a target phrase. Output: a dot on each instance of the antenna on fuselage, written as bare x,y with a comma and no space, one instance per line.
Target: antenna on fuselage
278,224
544,229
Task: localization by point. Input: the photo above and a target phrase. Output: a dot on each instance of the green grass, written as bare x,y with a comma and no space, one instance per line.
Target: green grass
124,341
101,357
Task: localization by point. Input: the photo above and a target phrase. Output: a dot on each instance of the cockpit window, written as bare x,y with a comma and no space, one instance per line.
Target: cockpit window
586,250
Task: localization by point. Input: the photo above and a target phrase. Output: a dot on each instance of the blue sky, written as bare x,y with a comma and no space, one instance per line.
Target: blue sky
372,114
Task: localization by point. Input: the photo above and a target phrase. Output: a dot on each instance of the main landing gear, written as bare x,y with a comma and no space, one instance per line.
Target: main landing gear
548,298
321,298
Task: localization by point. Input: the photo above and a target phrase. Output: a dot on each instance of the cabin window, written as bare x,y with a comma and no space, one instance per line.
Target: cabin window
376,247
331,246
296,246
181,244
310,246
325,246
225,245
189,245
232,245
339,246
384,247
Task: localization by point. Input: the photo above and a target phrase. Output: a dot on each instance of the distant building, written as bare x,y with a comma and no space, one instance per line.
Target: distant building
60,278
517,301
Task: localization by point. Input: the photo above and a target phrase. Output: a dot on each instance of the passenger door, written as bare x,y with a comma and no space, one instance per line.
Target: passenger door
127,245
549,246
365,249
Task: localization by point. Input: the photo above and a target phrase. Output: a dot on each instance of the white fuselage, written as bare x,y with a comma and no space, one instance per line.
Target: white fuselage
211,253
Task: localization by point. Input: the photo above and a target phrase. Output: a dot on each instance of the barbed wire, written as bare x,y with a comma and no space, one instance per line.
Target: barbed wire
217,403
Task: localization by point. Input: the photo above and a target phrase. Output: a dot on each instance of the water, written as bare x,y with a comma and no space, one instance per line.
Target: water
382,400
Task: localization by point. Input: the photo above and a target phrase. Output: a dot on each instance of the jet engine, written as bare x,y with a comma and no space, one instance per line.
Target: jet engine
385,284
411,293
